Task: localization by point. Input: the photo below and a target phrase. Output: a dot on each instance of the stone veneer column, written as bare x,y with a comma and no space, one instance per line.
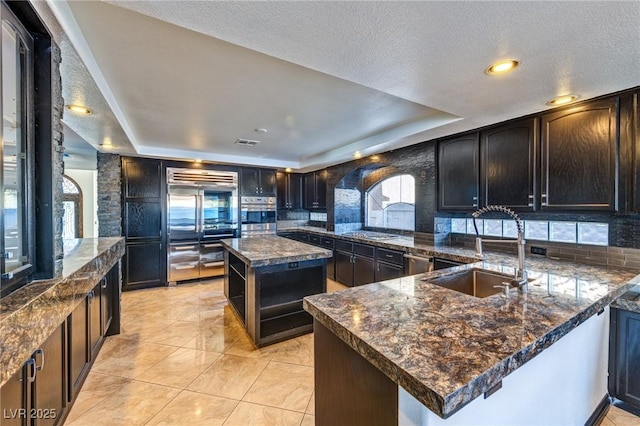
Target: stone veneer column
109,195
57,103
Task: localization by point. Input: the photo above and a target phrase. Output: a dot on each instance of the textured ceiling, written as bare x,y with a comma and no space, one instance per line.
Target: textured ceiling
410,60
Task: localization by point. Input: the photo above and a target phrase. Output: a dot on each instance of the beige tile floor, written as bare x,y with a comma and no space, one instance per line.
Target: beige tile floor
182,358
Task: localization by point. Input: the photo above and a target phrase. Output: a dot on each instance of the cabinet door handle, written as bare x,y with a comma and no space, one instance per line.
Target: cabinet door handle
389,255
39,352
104,283
544,199
184,267
181,248
31,363
212,245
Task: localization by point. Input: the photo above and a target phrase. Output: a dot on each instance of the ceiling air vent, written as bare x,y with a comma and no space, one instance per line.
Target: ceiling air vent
246,142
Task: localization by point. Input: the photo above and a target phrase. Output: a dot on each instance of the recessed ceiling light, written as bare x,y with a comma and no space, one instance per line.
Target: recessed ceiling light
288,170
502,67
357,154
260,130
197,160
561,100
79,109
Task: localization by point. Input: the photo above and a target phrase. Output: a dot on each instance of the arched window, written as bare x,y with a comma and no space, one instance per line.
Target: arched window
390,203
72,202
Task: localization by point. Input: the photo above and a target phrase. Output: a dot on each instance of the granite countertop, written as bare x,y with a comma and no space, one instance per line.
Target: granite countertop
630,301
273,250
30,314
402,243
447,348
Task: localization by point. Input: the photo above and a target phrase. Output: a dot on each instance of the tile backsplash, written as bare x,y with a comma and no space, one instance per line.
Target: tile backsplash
576,252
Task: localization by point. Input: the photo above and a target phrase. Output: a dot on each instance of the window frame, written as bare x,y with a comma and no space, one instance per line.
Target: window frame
15,279
367,198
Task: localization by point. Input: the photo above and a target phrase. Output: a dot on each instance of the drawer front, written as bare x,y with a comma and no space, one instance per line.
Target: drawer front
184,271
390,256
304,237
344,245
314,239
211,268
184,253
212,251
327,242
363,250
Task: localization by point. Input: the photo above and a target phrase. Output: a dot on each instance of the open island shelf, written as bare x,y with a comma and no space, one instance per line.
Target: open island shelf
266,279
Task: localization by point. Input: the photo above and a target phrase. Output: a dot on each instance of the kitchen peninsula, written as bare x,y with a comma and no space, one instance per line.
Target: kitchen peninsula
265,279
63,320
406,351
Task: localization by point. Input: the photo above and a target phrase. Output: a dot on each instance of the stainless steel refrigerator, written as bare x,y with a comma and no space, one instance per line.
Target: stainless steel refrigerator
202,209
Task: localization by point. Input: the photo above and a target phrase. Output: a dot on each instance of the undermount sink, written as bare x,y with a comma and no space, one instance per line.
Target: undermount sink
474,282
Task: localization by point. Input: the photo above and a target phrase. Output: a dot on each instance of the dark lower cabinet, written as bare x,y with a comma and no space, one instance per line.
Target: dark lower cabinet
354,263
43,390
363,270
144,265
343,267
48,390
14,399
624,357
35,395
388,271
389,264
329,244
95,319
78,342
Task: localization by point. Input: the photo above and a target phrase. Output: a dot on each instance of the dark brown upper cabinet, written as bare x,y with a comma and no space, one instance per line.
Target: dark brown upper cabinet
458,174
315,190
579,157
260,182
142,177
507,165
289,190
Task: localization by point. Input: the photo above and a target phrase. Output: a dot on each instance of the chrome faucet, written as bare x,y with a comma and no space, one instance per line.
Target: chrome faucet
520,276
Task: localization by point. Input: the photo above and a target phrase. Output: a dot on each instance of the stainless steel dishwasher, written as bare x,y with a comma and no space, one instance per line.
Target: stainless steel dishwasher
414,264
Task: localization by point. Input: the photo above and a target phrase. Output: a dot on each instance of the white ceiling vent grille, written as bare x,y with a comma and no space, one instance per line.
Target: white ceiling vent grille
246,142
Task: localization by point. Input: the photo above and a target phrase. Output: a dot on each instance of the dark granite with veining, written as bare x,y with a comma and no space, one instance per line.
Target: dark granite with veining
273,250
31,314
630,301
447,348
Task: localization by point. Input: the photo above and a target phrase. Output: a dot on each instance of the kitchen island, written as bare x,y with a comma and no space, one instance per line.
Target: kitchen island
265,279
406,351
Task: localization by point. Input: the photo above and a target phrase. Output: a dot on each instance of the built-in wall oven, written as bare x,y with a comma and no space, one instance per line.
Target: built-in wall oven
202,209
257,216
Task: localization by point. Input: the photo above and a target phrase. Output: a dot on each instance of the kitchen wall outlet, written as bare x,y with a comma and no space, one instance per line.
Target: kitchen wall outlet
539,250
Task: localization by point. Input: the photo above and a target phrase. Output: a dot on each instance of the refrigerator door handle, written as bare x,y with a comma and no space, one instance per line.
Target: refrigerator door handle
200,213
